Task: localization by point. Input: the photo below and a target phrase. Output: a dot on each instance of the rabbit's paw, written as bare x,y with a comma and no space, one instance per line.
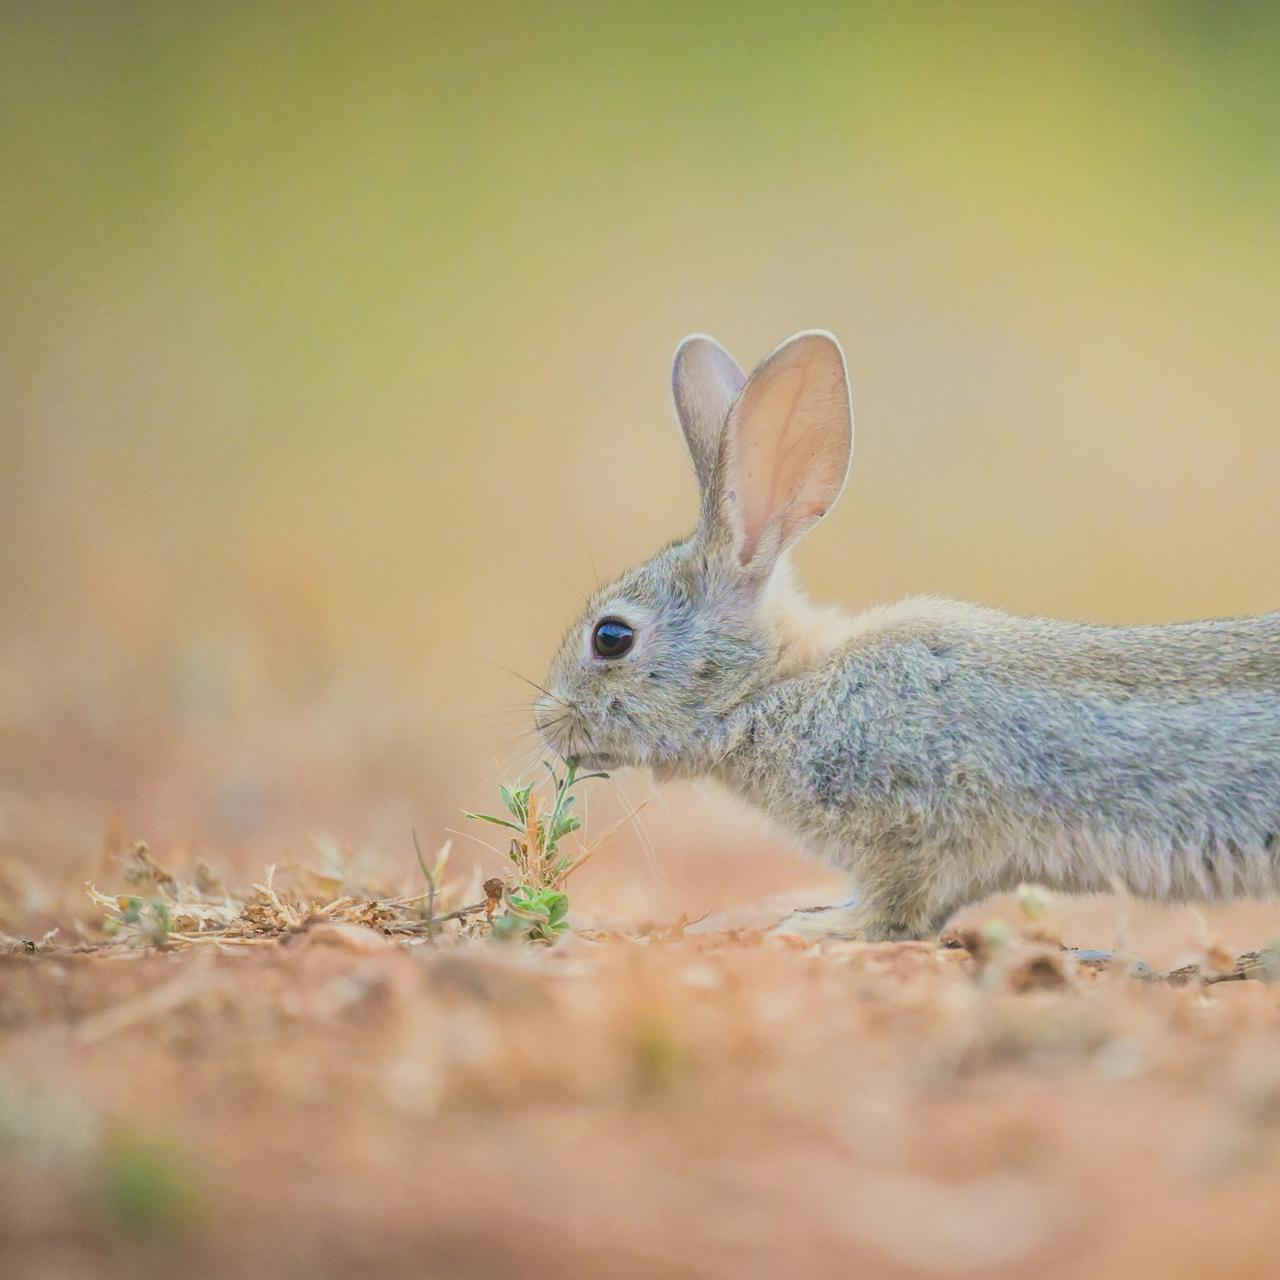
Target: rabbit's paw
846,921
852,921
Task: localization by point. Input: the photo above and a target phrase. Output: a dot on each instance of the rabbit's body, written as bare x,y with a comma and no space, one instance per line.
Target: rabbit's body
938,752
944,752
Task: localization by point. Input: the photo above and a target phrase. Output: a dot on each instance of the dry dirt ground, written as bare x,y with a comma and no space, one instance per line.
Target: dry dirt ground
315,1096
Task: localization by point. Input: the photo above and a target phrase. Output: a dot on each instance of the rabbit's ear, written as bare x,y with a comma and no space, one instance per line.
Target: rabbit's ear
787,446
705,381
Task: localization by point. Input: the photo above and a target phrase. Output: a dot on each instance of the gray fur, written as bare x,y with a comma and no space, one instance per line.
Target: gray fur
938,752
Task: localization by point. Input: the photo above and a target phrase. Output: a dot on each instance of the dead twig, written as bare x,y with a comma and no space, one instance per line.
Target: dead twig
425,926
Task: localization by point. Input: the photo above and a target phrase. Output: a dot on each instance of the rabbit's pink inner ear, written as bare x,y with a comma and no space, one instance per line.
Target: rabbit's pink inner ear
789,441
705,381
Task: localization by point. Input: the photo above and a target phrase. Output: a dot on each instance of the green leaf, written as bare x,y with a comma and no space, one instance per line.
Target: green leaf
509,800
507,926
163,920
563,826
422,862
497,822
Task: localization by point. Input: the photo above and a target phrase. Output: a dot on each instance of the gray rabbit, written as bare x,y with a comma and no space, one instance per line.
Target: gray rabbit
937,751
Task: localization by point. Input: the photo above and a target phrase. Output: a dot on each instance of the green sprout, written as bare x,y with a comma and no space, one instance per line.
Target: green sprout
537,908
433,876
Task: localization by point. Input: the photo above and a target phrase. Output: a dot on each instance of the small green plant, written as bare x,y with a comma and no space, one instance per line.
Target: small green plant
143,920
537,916
1034,899
1269,961
434,877
662,1059
997,933
144,1190
537,908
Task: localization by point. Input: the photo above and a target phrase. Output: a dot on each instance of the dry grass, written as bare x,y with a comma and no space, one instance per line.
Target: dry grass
162,910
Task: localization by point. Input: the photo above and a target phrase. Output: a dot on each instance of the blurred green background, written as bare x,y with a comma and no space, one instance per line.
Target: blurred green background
335,354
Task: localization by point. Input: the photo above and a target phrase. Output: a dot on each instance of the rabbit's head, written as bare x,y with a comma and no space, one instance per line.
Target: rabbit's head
659,659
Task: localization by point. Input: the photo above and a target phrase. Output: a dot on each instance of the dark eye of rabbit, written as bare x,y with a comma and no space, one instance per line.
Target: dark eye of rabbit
612,638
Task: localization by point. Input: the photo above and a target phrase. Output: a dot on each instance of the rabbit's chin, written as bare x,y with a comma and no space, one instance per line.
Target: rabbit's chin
667,771
670,771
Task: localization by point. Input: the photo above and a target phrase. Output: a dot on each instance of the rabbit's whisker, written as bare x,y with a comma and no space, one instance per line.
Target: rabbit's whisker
533,684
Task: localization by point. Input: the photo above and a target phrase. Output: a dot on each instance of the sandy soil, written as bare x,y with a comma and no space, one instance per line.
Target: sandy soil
666,1102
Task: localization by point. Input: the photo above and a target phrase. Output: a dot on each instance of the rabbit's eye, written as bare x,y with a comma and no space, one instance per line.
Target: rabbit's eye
612,638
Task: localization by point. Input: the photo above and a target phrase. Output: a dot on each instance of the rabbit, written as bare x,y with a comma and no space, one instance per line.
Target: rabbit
937,752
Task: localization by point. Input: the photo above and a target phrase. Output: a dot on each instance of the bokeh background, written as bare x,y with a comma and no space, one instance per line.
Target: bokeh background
335,355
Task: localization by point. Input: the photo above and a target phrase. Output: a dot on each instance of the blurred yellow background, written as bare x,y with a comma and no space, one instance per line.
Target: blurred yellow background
335,355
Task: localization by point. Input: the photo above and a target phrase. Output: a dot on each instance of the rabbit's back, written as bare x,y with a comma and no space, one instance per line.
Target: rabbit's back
1030,749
